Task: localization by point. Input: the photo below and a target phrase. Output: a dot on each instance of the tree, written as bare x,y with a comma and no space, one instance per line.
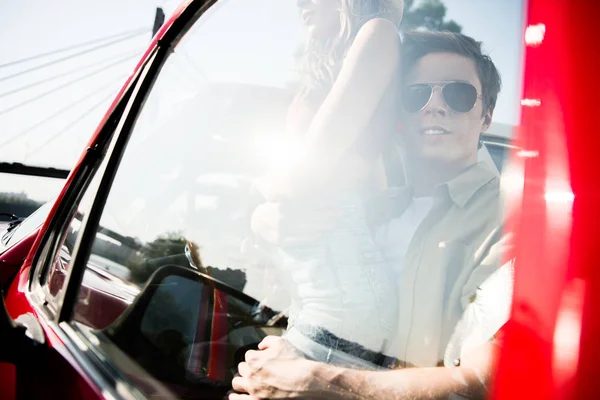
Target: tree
18,204
169,248
154,254
428,15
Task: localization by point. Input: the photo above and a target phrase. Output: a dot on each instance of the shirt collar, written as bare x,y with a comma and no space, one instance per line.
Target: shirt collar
464,186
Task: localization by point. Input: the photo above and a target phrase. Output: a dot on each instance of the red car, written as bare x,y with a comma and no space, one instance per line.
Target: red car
138,280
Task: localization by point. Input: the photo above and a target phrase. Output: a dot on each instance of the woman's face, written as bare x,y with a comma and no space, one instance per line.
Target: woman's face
321,17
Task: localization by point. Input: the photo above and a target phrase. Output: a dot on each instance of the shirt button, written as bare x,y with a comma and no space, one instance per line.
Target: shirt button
456,362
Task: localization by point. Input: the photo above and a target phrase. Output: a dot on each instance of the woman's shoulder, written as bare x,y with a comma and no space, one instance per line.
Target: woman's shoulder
380,27
376,36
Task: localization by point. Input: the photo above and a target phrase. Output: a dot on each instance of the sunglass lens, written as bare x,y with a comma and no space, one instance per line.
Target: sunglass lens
460,96
415,97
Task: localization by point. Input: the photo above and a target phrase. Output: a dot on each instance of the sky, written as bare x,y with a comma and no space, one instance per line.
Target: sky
42,124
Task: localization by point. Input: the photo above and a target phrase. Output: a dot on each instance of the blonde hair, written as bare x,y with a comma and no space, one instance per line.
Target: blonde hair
322,58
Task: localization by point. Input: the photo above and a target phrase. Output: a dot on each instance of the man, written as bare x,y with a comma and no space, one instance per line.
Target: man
442,236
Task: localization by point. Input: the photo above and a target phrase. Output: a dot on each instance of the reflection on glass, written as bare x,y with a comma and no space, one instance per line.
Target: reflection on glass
531,103
188,330
534,34
364,229
559,197
567,333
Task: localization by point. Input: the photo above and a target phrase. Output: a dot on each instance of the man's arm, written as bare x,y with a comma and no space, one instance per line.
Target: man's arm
411,383
277,372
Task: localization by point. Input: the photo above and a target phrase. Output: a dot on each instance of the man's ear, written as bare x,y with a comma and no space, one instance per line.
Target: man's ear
487,120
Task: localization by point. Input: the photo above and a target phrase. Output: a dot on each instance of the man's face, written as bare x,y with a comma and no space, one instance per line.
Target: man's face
437,133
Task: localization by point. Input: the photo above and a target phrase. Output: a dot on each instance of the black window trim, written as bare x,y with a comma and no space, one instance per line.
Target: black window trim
50,242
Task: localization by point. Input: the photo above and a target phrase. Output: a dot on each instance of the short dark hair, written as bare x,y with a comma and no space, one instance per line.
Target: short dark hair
417,44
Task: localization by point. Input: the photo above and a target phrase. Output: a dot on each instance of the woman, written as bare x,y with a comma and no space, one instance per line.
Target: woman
344,300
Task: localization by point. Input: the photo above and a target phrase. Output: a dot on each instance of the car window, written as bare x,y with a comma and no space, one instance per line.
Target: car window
24,228
228,222
499,151
55,257
54,277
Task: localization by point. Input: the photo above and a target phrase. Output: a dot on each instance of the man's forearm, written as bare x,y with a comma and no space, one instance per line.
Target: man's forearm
410,383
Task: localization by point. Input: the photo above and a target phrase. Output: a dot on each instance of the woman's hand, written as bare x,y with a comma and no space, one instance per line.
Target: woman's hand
276,371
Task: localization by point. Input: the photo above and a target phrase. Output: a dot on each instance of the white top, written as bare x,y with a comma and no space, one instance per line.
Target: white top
394,238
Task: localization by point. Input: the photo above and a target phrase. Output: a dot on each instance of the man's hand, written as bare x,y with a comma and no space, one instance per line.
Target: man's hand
280,225
276,371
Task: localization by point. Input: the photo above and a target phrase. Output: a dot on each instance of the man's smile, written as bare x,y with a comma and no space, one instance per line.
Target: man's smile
434,130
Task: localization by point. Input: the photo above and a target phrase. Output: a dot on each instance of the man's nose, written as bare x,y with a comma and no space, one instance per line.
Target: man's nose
437,104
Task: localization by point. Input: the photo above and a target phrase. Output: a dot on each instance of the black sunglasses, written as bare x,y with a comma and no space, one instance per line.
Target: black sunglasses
459,96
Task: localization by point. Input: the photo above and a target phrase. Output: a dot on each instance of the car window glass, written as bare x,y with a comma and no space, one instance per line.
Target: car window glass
54,279
349,265
26,227
498,152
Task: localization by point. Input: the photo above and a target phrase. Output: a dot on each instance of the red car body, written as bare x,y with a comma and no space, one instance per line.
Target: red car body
550,344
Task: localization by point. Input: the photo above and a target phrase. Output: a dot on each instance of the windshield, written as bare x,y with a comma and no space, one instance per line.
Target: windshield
25,227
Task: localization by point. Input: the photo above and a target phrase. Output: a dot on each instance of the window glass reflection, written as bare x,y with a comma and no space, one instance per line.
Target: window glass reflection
346,185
